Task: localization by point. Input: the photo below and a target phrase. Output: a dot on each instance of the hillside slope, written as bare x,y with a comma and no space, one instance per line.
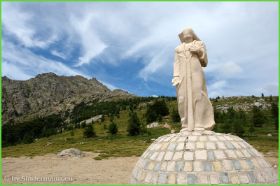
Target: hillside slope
49,93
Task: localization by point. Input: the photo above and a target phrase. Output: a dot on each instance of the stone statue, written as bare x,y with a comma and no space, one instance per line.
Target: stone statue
195,155
194,107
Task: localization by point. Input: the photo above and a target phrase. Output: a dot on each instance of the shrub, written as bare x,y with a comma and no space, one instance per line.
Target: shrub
89,132
134,126
113,128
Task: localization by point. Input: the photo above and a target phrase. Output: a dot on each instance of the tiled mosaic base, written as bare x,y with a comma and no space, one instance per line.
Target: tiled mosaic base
202,157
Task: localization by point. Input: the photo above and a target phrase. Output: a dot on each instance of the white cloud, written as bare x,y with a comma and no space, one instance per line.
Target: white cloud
19,23
31,64
91,43
14,72
58,54
241,38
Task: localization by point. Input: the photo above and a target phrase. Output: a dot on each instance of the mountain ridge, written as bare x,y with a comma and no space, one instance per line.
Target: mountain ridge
49,93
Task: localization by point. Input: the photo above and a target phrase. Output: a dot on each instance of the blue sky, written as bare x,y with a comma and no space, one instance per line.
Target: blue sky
131,45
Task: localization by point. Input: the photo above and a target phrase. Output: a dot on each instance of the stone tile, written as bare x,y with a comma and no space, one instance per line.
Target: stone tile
212,138
197,166
210,145
236,145
154,156
245,153
256,153
228,138
171,166
181,178
179,166
155,178
255,163
239,154
188,166
200,145
210,155
217,165
164,146
157,147
167,139
141,175
149,154
234,178
219,154
180,146
160,156
171,147
214,178
252,177
148,177
162,178
151,165
243,178
174,139
202,178
207,166
229,145
227,165
201,155
230,154
224,177
178,155
190,146
171,179
181,139
244,165
259,176
188,155
262,162
194,133
221,138
163,166
203,138
242,144
192,179
192,138
236,164
250,164
221,145
157,166
168,155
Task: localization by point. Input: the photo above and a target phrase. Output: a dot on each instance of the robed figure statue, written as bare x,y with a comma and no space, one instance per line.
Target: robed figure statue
194,107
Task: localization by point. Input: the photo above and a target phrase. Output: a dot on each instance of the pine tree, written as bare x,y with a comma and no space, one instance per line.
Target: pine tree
274,112
175,115
258,117
251,129
113,128
89,132
134,126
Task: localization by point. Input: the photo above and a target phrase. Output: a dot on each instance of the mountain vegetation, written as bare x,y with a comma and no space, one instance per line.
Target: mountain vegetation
122,129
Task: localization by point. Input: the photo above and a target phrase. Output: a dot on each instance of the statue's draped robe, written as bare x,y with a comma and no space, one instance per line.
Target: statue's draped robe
193,104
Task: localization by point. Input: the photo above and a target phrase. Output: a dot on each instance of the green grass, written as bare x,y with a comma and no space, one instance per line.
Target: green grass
107,145
123,145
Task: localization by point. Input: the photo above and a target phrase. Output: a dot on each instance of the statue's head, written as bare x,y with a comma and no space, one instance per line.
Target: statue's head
188,35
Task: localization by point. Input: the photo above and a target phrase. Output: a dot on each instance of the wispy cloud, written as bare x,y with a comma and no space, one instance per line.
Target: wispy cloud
241,40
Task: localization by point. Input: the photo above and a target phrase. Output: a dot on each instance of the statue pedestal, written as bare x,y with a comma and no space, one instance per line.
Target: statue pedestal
202,157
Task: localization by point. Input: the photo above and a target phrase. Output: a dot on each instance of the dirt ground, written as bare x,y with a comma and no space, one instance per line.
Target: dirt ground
52,169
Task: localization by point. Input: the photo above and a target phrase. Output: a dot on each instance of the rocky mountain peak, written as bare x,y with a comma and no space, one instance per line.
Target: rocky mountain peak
49,93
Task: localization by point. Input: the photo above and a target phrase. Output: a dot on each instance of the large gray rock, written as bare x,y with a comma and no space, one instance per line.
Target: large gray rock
72,152
202,157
